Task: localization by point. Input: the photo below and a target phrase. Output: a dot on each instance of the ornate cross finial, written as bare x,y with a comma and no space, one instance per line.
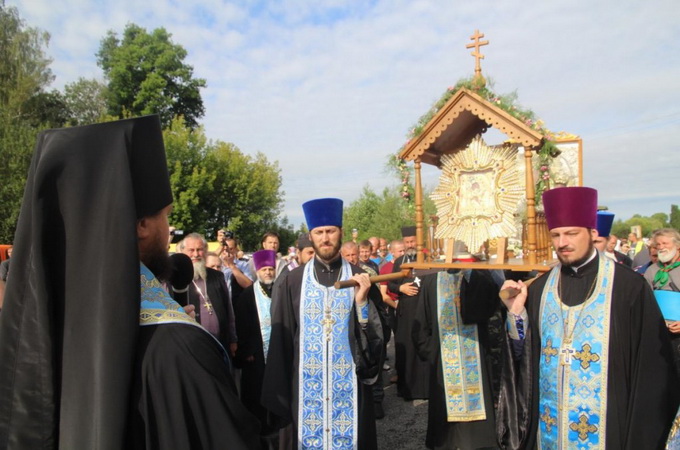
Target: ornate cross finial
476,45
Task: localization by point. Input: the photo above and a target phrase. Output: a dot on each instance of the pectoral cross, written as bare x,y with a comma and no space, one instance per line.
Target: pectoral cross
208,306
566,352
417,282
328,322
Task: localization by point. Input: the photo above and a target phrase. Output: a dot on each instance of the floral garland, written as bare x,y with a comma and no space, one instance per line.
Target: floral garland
507,103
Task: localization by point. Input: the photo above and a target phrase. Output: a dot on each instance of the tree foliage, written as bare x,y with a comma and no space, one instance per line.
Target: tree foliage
675,217
380,215
24,67
85,101
215,185
146,74
24,107
648,224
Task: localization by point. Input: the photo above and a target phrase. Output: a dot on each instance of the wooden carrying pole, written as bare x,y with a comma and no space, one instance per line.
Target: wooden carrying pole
376,279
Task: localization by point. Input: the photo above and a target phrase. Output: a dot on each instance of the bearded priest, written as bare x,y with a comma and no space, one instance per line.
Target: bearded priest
592,360
326,349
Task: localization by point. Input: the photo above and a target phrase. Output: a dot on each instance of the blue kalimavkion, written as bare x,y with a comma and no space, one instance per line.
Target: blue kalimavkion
461,362
327,381
573,375
263,304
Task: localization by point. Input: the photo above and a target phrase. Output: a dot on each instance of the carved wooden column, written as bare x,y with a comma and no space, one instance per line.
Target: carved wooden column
432,241
419,213
531,206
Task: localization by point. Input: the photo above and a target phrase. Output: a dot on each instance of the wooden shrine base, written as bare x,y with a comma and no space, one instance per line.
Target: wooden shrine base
517,265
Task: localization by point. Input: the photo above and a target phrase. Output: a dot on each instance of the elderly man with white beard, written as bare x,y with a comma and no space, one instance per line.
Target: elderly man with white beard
664,277
254,326
209,294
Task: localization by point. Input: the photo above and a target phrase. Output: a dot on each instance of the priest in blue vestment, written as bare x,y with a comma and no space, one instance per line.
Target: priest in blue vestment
591,364
326,345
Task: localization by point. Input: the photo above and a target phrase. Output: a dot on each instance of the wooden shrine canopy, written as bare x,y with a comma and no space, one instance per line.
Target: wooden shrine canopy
464,116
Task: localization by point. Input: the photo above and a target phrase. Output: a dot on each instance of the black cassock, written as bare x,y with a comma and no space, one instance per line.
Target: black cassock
250,344
642,387
280,390
479,301
183,395
413,373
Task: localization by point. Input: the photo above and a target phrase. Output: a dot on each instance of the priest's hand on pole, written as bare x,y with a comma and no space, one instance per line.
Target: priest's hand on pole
363,285
514,296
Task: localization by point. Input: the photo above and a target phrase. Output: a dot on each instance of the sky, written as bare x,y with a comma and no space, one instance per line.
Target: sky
330,88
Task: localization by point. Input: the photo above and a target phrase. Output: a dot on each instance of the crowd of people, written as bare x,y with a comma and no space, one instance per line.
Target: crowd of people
211,349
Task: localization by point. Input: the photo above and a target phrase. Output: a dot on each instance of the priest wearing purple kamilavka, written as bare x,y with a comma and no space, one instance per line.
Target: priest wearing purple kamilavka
592,364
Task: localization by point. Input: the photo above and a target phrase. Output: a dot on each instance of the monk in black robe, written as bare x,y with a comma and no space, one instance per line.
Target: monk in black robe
640,394
413,374
84,365
288,364
478,302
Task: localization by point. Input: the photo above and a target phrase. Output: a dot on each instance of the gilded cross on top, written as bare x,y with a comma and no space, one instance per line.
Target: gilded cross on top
476,45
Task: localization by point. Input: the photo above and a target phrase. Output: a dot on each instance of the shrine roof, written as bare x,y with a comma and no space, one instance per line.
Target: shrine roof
464,116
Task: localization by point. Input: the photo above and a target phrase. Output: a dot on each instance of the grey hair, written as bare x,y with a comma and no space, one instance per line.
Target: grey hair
180,244
668,232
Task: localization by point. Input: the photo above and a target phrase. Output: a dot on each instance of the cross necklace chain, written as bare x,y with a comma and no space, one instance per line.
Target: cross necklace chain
566,350
328,320
206,301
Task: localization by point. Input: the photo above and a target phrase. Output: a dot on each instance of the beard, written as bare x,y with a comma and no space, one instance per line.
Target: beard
200,270
159,263
578,262
667,256
327,254
265,281
410,252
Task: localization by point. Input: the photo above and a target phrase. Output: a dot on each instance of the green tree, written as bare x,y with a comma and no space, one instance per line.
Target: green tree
648,224
380,215
24,73
146,74
215,185
24,67
86,101
46,110
246,193
675,217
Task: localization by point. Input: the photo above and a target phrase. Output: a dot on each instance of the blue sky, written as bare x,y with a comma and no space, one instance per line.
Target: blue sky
330,88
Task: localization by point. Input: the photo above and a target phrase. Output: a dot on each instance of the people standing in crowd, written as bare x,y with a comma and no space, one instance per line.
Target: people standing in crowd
653,259
450,332
615,255
236,272
270,241
253,325
4,266
350,251
209,294
664,278
413,374
326,347
365,250
109,360
391,299
636,244
305,252
4,272
587,340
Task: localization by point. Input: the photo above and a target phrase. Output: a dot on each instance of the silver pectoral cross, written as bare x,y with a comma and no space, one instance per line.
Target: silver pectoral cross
566,355
417,281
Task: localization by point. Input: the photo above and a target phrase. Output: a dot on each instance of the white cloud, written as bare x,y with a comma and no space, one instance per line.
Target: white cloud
330,88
